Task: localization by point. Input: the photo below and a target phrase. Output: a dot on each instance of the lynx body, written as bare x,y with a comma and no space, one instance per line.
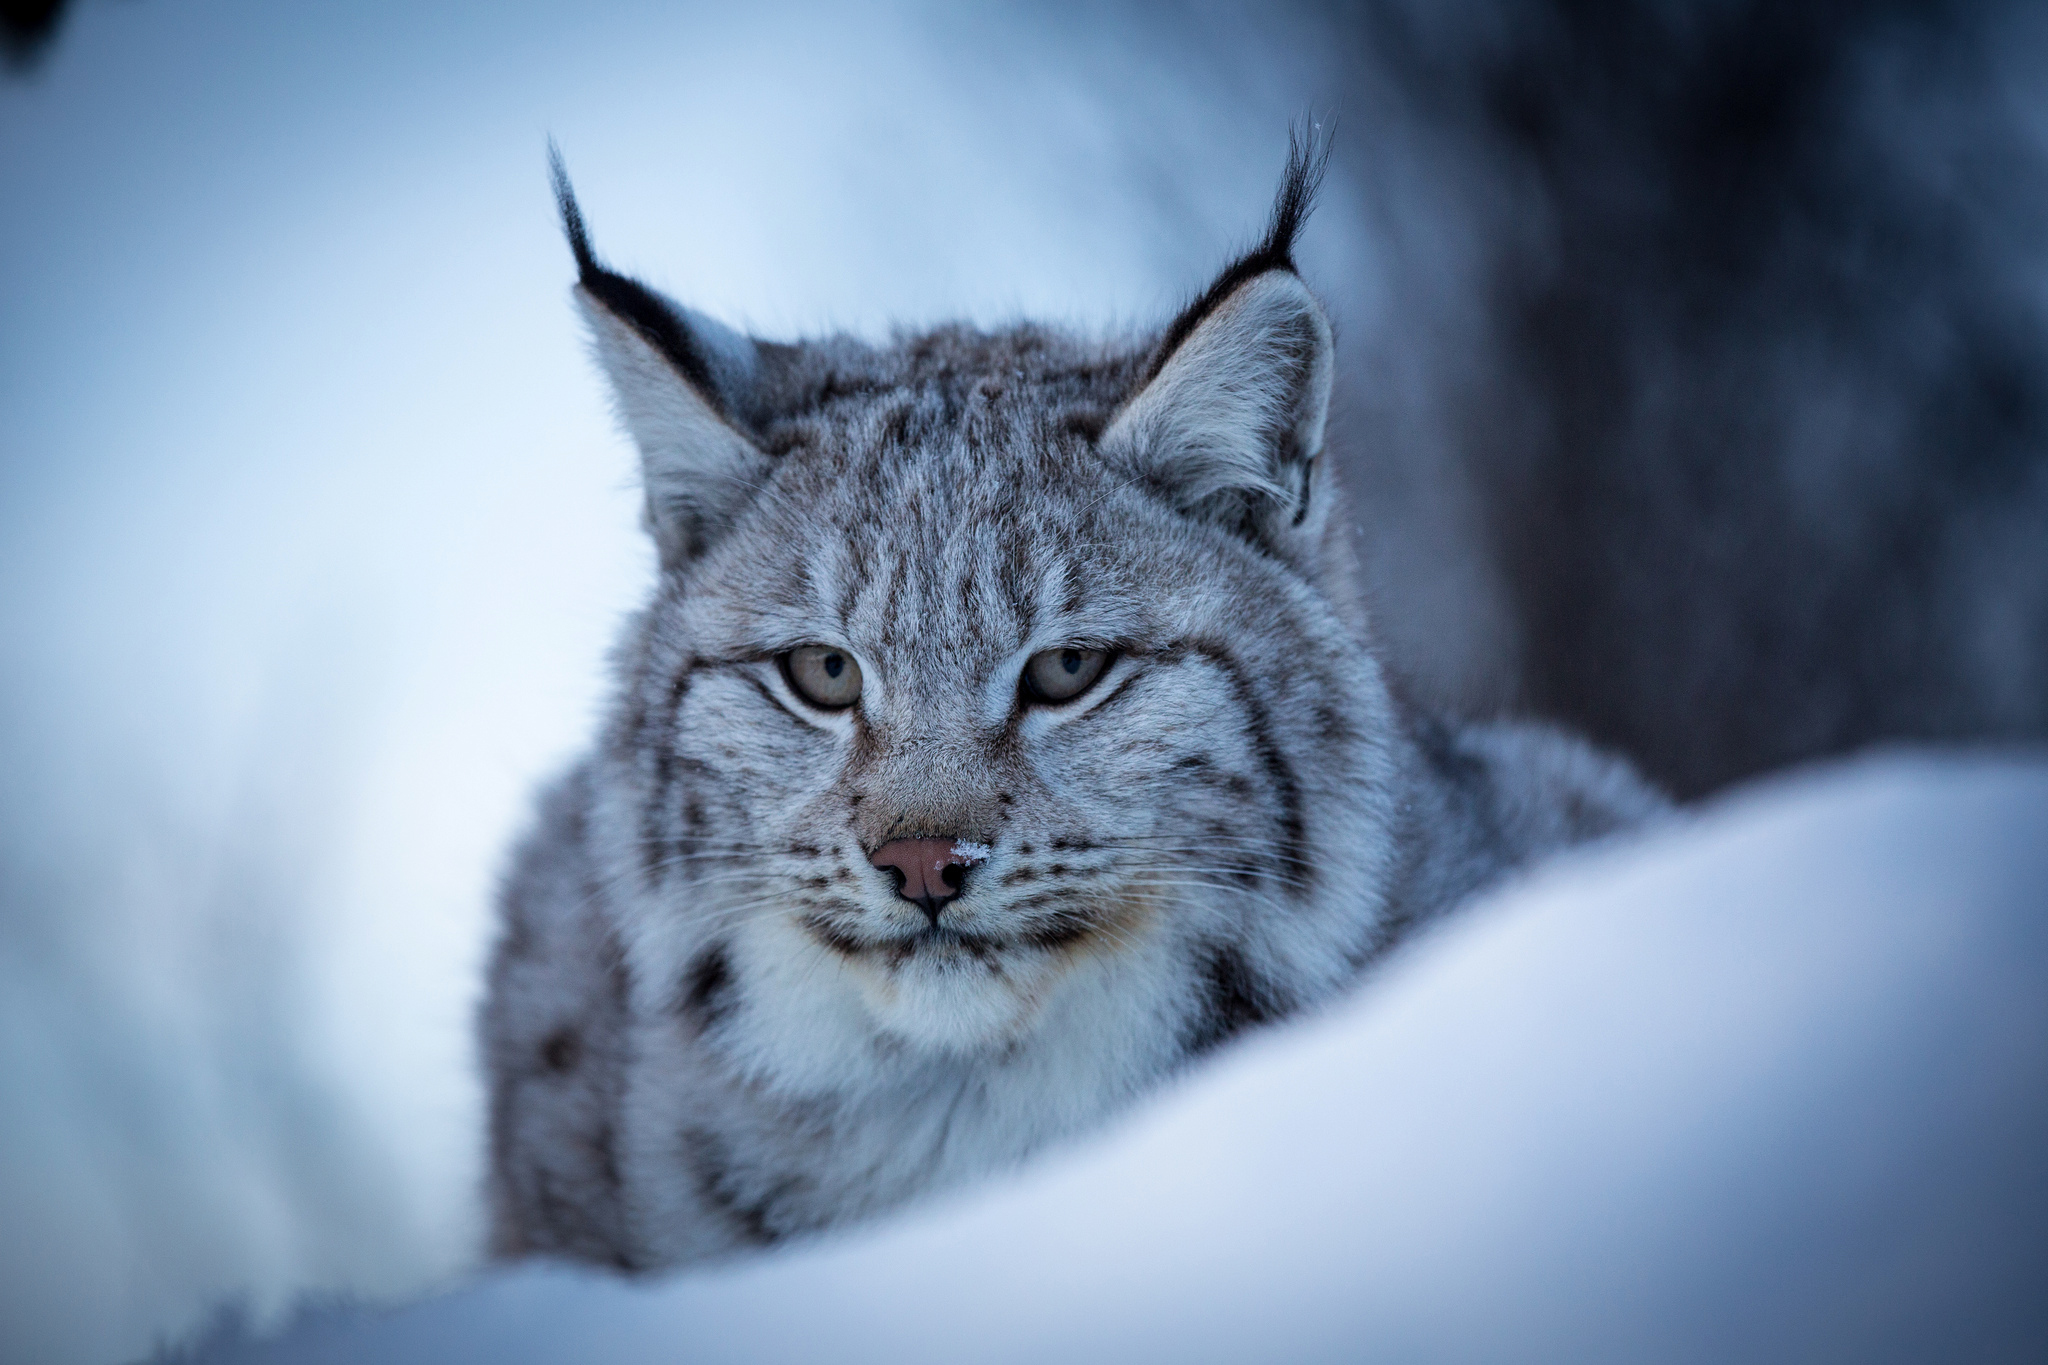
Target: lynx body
1004,732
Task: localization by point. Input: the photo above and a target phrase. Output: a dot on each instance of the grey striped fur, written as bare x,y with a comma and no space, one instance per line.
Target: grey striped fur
711,1023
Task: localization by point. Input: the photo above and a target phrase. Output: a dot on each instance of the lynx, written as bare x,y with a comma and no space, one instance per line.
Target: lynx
1004,733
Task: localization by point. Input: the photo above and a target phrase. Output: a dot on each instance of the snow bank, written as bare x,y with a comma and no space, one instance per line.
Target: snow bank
1770,1084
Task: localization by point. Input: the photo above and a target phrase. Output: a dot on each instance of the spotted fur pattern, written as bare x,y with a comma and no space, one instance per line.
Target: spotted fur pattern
712,1024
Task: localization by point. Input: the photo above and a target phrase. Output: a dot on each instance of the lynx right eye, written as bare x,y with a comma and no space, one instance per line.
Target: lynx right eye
1057,675
823,676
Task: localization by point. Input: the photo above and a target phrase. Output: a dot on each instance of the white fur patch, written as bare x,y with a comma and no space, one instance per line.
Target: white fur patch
1254,371
697,469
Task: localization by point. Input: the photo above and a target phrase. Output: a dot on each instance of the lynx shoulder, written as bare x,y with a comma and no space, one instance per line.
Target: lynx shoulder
1004,732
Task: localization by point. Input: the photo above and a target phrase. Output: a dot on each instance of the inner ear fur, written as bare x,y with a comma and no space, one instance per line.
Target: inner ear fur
699,469
680,383
1228,419
1230,424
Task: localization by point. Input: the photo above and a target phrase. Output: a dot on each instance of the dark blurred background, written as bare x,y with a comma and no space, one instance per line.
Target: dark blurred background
27,28
1693,395
1739,362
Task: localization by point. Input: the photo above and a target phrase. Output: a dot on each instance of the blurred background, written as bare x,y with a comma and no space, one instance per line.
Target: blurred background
1695,393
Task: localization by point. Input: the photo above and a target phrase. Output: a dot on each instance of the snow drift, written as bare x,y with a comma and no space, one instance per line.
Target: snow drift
1771,1084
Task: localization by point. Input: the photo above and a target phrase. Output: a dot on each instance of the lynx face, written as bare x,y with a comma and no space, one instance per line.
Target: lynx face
989,670
1063,721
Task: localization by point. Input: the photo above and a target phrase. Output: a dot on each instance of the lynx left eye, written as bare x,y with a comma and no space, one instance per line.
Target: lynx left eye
1057,675
823,676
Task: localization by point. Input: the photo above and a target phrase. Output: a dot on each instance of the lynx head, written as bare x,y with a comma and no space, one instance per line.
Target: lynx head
996,683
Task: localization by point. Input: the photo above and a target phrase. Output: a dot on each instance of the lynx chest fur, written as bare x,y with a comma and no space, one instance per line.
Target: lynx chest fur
1003,733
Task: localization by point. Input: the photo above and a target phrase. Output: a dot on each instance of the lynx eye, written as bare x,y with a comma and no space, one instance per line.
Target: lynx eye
1063,674
823,676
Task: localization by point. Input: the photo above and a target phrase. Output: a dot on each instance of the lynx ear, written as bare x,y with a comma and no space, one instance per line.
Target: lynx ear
1229,419
681,383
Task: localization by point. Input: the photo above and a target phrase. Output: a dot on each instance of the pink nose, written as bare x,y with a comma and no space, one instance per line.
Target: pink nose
932,871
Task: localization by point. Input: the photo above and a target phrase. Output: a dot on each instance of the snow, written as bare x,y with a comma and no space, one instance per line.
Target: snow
1771,1084
972,852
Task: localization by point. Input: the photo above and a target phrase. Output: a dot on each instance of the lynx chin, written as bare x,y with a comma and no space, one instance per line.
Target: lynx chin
1003,734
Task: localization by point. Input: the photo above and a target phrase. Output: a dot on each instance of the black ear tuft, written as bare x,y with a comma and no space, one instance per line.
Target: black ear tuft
572,216
633,303
1308,156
